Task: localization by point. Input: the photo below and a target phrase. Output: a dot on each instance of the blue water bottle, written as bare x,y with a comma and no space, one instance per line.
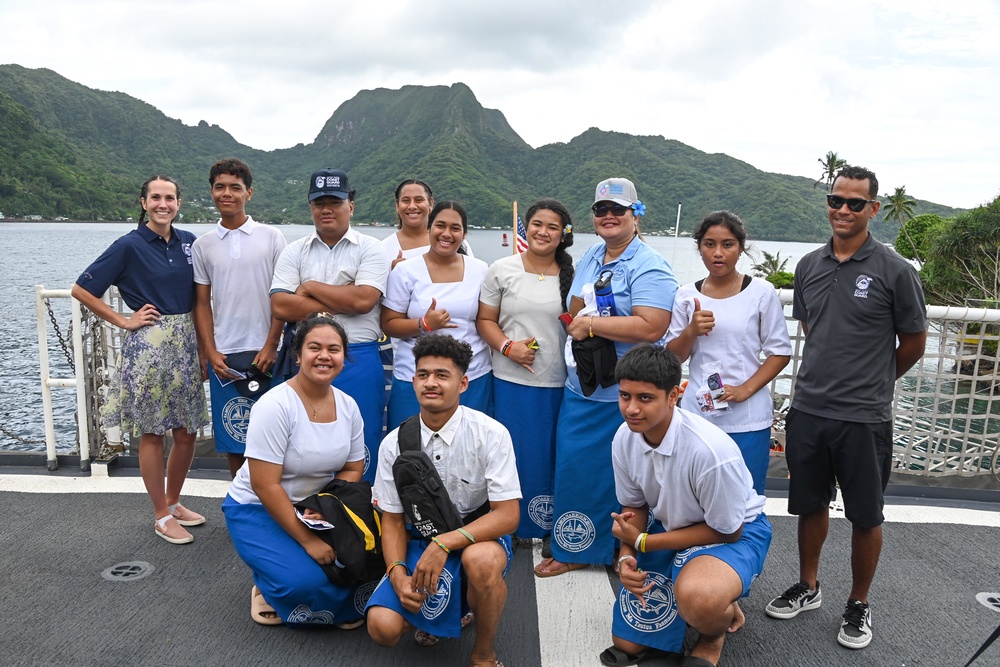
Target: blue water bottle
604,295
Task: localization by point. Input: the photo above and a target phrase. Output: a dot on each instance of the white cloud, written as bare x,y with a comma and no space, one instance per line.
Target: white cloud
909,89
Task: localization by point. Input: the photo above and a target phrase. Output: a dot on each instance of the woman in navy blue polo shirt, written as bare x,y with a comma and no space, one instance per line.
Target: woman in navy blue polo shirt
158,385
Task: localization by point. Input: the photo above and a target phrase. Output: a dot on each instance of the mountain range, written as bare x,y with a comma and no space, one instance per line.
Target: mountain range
72,151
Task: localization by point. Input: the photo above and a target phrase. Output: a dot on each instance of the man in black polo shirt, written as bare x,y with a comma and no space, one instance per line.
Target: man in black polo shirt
863,310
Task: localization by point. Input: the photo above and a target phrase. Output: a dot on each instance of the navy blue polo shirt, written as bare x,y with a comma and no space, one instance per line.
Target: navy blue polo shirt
853,309
146,269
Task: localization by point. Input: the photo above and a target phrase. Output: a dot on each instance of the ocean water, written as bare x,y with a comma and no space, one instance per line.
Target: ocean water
53,254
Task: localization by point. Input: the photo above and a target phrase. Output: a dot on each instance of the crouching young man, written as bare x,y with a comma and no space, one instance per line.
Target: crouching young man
707,538
429,584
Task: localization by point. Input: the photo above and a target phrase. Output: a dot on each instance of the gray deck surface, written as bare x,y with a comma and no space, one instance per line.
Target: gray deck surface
194,608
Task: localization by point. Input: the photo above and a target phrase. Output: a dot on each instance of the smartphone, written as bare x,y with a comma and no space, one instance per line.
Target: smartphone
715,382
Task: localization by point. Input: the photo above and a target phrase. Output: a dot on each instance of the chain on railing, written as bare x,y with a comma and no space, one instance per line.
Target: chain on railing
64,341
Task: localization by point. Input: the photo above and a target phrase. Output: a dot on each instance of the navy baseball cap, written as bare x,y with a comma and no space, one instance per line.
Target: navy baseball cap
329,183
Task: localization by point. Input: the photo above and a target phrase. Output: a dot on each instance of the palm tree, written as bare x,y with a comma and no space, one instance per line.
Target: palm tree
899,208
770,265
831,164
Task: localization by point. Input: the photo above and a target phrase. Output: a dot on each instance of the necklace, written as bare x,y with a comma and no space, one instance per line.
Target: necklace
312,407
541,274
736,286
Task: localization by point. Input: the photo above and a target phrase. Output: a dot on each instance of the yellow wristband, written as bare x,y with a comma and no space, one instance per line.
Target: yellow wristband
591,326
642,542
438,542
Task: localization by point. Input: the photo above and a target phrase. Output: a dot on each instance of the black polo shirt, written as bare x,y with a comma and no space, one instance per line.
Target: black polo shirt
853,310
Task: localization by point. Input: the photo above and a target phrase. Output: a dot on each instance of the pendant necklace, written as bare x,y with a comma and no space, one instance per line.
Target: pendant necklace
311,406
541,275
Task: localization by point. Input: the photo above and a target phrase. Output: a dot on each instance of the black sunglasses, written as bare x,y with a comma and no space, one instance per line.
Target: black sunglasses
856,205
601,210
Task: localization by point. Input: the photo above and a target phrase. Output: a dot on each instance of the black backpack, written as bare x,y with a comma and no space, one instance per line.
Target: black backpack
426,503
357,532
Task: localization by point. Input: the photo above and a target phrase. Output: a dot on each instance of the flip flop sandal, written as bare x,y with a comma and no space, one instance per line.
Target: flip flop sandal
562,569
691,661
350,625
427,639
615,657
259,607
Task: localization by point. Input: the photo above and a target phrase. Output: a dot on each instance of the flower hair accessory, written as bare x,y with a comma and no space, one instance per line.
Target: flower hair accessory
639,208
567,229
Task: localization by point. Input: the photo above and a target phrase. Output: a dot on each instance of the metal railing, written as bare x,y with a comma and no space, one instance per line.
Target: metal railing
44,315
946,409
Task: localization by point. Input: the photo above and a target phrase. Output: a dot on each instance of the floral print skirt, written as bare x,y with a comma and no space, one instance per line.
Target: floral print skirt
157,386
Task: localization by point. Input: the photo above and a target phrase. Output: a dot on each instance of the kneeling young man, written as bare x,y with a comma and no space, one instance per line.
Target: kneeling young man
708,536
428,582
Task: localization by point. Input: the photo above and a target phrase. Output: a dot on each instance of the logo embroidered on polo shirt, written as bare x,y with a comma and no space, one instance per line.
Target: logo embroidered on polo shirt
862,283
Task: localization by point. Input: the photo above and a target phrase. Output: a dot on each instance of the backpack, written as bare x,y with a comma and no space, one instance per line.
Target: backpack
356,535
426,503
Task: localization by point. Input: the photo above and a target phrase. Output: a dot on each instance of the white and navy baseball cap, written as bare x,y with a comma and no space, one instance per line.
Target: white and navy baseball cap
329,183
617,190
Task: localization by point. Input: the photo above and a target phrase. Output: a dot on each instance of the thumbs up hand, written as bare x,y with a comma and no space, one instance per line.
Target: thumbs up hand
702,321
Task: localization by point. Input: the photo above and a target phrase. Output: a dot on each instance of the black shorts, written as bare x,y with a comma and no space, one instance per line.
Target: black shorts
821,451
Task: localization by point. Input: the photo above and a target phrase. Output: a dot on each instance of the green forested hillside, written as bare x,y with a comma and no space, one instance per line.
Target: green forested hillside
56,132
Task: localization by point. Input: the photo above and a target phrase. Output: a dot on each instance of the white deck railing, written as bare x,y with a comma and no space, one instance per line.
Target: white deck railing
946,408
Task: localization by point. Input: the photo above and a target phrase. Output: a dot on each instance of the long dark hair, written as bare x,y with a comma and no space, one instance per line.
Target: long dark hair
145,192
399,191
563,258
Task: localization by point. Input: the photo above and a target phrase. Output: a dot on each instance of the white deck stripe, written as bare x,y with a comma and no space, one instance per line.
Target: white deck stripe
574,615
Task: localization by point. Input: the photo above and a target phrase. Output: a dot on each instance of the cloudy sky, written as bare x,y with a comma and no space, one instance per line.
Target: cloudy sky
908,88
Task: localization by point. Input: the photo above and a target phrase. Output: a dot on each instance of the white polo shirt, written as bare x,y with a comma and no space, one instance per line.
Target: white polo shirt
696,474
239,265
356,259
473,454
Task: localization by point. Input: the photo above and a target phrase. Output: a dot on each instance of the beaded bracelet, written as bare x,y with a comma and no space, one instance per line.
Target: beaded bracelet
505,348
394,564
438,542
468,535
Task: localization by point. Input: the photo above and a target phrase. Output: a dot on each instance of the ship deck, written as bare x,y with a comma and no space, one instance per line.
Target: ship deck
60,531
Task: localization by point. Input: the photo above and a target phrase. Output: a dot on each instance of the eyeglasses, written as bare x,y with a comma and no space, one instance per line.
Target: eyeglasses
856,205
617,210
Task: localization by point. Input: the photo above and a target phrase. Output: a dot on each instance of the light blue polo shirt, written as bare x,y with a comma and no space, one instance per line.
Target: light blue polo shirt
146,269
642,277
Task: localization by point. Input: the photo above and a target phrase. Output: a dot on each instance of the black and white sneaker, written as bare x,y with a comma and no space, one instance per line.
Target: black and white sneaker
797,598
856,630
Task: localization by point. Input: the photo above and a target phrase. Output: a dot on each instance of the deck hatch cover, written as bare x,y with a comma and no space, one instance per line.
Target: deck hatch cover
128,571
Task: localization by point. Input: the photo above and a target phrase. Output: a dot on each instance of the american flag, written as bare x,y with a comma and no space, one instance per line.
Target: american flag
521,238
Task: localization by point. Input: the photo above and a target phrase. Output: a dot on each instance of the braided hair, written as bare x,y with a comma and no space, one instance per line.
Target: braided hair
563,258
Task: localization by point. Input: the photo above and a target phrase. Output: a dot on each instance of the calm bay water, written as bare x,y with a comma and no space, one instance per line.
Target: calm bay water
54,254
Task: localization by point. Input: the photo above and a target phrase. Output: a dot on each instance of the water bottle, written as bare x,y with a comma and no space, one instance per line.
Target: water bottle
605,297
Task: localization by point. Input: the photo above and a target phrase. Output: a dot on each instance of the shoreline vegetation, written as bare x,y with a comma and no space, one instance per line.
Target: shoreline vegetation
69,151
